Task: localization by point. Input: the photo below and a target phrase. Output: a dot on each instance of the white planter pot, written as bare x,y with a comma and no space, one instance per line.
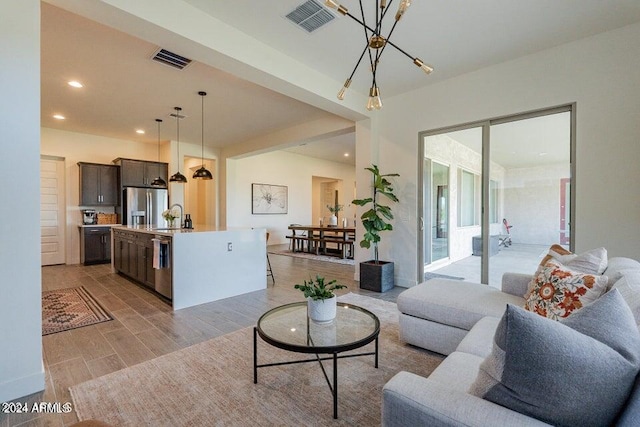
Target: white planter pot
322,311
333,220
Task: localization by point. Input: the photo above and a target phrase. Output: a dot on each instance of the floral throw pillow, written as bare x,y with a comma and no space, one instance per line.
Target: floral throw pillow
557,291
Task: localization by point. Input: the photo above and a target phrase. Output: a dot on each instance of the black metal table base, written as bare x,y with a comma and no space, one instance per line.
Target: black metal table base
332,386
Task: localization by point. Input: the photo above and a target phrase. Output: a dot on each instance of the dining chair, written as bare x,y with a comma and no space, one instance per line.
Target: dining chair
297,239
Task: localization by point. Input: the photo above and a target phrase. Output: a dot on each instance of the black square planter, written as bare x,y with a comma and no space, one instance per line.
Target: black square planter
376,277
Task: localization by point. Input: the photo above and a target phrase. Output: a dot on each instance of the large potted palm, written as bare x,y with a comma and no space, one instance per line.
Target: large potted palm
376,275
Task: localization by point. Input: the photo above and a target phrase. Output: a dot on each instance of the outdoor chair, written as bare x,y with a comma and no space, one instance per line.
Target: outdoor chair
505,239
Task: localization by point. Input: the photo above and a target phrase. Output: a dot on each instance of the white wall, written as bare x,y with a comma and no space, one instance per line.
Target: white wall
279,168
21,368
599,73
532,203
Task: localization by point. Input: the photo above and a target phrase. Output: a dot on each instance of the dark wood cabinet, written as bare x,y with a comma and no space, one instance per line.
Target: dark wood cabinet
139,173
98,185
133,256
95,245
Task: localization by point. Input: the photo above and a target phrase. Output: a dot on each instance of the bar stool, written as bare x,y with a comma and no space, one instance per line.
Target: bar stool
269,270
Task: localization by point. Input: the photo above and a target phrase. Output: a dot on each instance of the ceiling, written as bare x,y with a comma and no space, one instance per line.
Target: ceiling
523,143
124,90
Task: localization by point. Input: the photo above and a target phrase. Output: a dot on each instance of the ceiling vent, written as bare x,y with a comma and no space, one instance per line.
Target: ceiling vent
171,59
310,16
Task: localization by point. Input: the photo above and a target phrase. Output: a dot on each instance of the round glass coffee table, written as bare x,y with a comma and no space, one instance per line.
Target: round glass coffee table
288,327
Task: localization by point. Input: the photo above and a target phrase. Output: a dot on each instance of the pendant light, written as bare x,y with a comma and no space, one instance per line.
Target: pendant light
202,173
159,182
178,177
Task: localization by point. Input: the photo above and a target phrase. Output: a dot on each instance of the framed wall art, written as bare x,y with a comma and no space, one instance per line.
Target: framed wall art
269,199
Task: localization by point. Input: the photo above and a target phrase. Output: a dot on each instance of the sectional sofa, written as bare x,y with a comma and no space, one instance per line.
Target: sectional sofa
460,319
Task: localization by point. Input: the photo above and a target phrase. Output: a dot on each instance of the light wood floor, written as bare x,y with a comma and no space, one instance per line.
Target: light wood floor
144,327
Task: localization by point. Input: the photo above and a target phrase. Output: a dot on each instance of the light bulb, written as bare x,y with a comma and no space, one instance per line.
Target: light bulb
377,102
426,68
347,83
370,103
332,4
374,99
402,8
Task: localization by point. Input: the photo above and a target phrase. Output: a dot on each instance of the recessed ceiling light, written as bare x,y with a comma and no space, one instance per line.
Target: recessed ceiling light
74,83
140,131
59,117
346,154
542,154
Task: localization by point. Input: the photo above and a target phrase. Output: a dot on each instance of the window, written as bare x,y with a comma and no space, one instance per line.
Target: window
469,195
493,202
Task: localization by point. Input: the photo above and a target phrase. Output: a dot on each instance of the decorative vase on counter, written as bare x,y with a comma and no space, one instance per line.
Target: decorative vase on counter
333,221
322,310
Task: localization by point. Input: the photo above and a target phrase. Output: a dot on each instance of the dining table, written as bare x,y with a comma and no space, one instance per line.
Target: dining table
319,238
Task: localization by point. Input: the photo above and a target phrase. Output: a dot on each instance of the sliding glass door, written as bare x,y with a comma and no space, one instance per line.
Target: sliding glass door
495,195
452,183
437,194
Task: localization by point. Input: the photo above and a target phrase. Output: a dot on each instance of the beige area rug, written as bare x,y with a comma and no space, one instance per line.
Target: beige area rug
306,255
211,383
70,308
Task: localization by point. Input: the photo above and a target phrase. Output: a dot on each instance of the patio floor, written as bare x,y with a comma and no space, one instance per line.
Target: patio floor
517,258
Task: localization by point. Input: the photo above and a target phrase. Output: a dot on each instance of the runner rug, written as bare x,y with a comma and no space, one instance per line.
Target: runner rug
70,308
211,383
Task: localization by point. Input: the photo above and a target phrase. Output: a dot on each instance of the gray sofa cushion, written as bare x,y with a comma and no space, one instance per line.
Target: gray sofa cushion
458,371
629,287
579,371
479,340
411,400
433,336
455,303
630,417
617,265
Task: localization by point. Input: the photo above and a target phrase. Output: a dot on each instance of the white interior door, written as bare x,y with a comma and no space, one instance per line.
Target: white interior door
52,211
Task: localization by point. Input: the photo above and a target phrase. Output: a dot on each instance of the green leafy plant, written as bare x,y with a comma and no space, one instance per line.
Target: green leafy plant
334,209
375,219
317,289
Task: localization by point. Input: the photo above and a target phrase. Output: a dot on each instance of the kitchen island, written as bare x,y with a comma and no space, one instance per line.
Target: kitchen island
191,267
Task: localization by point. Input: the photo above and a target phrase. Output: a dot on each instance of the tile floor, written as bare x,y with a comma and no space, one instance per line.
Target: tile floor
144,327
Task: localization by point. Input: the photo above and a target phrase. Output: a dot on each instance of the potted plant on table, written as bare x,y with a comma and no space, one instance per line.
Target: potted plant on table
321,299
376,275
333,220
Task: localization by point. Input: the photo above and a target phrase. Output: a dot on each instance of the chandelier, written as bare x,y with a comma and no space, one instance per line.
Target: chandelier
376,44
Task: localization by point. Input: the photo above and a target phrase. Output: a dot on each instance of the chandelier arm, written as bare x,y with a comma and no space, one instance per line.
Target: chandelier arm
384,13
387,39
366,47
366,38
370,29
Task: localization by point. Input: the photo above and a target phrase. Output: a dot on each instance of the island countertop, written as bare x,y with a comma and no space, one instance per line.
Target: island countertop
199,228
209,263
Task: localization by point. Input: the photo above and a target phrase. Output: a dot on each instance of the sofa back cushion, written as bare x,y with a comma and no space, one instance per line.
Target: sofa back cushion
629,287
579,371
593,262
616,267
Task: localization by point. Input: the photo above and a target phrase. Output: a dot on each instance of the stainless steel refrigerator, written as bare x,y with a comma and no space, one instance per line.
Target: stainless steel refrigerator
144,206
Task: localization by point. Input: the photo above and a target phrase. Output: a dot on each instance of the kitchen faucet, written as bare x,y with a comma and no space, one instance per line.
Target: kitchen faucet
181,211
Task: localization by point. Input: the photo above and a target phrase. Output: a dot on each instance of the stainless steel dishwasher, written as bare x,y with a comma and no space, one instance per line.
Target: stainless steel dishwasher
162,265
